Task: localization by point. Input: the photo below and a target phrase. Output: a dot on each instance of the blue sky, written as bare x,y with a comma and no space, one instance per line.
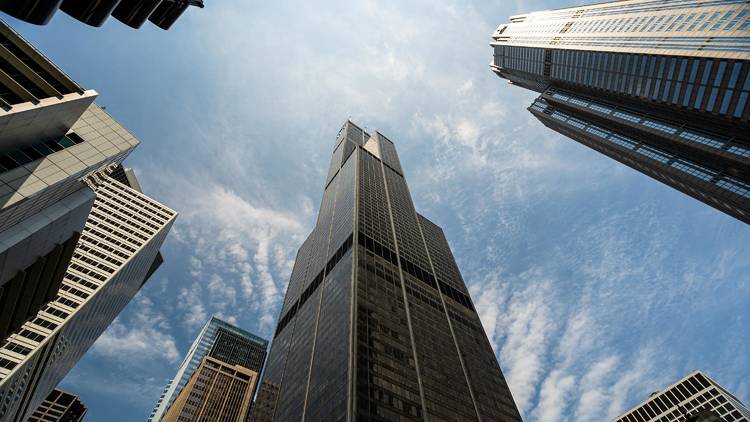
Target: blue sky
596,284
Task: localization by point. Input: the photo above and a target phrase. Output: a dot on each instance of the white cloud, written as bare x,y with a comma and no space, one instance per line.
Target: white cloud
527,324
146,336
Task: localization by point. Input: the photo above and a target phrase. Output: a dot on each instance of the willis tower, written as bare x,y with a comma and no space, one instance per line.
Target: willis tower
377,323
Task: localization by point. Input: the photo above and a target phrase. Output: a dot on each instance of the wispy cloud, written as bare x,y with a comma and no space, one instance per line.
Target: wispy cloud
144,337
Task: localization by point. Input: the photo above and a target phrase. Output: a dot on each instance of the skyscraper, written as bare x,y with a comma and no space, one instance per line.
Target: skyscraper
60,406
216,391
115,251
220,340
75,243
693,398
661,87
133,13
377,323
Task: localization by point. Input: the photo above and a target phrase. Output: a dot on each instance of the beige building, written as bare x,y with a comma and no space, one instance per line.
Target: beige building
215,392
693,398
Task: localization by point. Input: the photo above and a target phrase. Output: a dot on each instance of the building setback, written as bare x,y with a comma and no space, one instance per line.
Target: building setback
133,13
661,87
219,340
76,244
60,406
377,323
216,391
693,398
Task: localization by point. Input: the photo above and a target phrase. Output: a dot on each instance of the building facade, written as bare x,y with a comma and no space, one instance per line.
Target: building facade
216,391
693,398
76,244
133,13
60,406
218,340
661,87
116,249
377,323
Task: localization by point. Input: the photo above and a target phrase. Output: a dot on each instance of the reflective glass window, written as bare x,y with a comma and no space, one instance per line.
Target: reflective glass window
721,21
708,21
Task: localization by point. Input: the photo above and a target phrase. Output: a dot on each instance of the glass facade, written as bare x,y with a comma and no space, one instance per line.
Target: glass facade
661,86
383,328
220,340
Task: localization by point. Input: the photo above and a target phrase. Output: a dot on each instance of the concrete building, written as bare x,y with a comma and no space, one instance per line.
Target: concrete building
75,243
216,391
377,323
133,13
661,87
219,340
695,398
60,406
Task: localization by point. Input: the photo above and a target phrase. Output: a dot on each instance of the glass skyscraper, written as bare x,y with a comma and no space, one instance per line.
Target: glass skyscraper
220,340
377,323
660,86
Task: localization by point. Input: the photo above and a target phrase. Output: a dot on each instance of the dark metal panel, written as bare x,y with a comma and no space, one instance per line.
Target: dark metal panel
93,13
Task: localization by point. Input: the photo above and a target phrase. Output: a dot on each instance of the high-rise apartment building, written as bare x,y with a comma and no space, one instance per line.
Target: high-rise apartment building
377,323
219,340
216,391
694,398
75,243
133,13
660,86
60,406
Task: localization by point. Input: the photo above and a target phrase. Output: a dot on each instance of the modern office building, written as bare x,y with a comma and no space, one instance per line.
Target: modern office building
133,13
695,398
219,340
75,243
660,86
60,406
377,323
216,391
116,249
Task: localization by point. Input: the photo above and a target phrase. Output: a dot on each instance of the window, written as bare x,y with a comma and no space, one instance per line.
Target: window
733,185
721,21
653,154
627,116
701,139
659,126
597,131
694,170
744,152
622,141
685,22
679,18
697,21
23,156
736,19
708,22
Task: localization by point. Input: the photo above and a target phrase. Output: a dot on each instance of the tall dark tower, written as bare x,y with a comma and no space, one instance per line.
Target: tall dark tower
377,324
660,86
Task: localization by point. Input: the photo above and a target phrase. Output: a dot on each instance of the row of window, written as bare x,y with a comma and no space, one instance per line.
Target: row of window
687,167
709,84
651,7
23,156
677,22
687,134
